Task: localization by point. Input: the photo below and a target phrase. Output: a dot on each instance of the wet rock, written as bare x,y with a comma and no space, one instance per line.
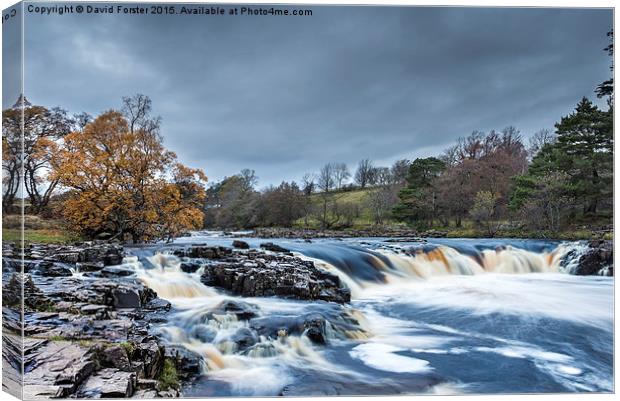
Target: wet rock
115,357
240,244
314,328
204,333
597,260
125,297
259,274
157,304
270,246
33,297
243,310
98,310
84,267
151,355
188,363
67,257
244,338
190,267
108,383
203,252
116,271
261,350
86,252
54,270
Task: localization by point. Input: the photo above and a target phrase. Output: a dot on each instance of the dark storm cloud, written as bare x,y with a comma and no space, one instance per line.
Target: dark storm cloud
283,95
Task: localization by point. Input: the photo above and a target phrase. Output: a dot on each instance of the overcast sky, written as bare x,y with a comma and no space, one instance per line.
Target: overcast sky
284,95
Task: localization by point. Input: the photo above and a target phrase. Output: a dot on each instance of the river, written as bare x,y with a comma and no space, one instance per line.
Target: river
443,316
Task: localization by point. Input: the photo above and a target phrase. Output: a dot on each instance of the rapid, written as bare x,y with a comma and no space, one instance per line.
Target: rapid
441,316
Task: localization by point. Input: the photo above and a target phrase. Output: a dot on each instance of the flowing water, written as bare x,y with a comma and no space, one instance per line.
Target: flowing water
443,316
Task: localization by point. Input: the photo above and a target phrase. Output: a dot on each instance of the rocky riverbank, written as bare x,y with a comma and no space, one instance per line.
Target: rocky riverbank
346,233
89,323
86,337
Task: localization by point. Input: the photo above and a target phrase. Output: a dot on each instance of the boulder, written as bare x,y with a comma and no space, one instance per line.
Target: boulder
116,271
240,244
203,252
284,276
315,328
54,270
151,355
242,310
190,267
115,357
270,246
203,333
188,363
84,267
108,383
244,338
597,260
157,305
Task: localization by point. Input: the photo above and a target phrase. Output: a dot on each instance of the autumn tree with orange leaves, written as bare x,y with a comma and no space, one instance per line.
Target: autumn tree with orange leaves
123,183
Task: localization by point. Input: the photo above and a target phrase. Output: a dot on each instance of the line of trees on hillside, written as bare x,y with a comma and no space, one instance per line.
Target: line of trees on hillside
318,200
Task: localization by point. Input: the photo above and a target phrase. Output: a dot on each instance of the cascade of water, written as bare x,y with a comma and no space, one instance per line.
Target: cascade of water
202,328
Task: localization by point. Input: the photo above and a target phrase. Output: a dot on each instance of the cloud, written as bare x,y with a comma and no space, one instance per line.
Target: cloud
285,95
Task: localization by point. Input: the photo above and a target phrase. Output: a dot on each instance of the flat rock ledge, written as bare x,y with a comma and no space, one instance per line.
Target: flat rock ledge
88,337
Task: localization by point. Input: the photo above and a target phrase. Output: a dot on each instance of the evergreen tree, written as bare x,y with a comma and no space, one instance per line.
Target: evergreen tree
585,153
418,199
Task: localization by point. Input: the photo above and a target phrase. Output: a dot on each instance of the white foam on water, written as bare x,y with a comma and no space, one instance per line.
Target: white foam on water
254,380
382,357
584,300
527,353
569,370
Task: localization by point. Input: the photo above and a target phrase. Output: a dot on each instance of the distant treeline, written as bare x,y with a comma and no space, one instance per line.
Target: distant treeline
491,179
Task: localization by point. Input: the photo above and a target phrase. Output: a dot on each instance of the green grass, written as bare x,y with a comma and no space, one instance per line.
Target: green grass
168,377
358,197
44,236
568,235
129,348
57,338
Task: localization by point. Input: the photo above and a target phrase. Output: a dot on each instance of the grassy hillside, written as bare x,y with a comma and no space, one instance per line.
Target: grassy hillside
358,197
36,229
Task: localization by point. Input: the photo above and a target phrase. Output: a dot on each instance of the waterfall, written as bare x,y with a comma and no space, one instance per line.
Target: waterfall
411,303
360,268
